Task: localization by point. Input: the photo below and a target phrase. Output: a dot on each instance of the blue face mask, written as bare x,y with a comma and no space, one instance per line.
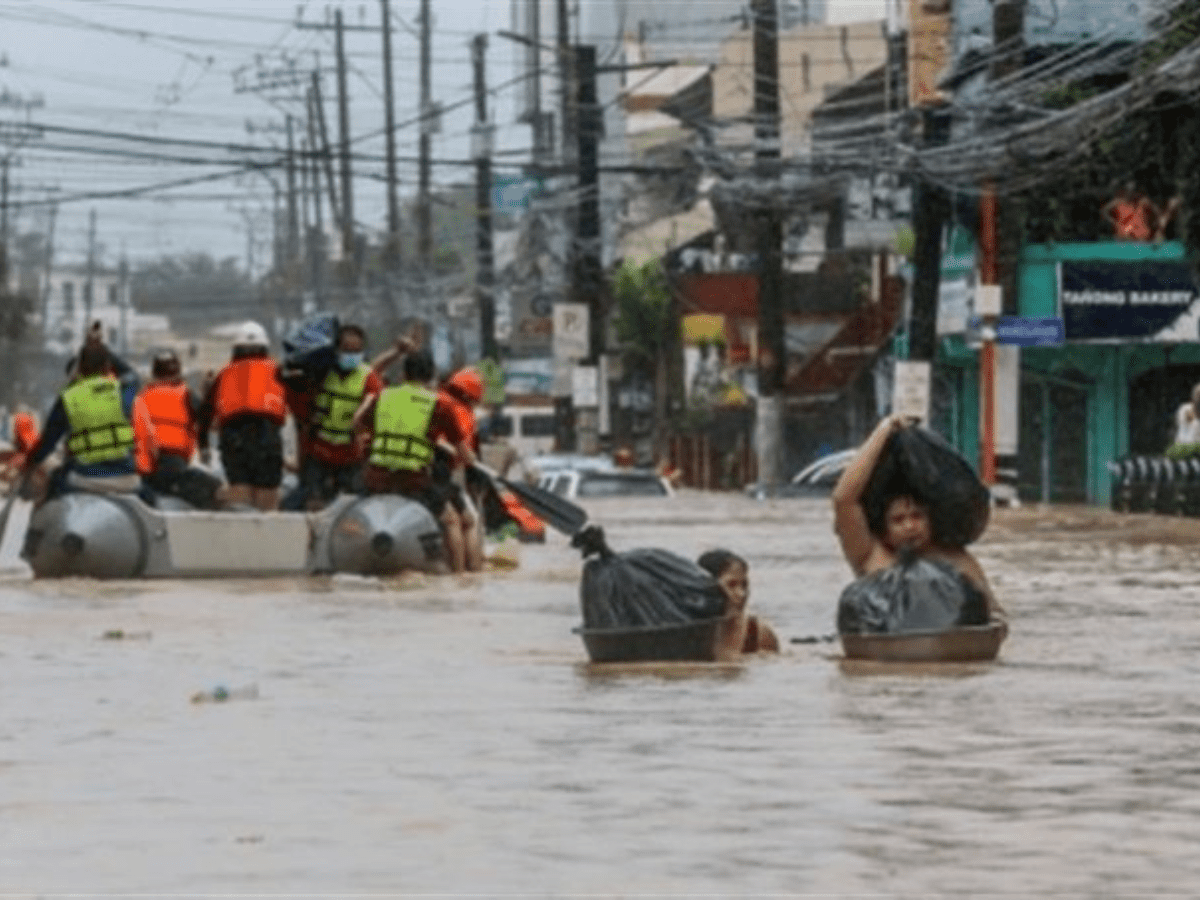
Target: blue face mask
347,362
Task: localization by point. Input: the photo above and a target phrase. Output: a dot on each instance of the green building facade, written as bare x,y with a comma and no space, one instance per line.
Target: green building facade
1110,389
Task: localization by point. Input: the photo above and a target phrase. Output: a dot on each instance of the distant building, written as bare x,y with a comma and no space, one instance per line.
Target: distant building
74,300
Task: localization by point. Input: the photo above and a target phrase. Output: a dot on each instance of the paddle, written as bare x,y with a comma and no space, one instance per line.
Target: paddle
557,512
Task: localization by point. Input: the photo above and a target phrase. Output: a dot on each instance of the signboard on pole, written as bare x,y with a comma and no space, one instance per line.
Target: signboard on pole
910,389
569,343
570,339
585,387
1117,301
1025,331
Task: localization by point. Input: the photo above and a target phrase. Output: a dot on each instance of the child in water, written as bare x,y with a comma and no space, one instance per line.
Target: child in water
744,633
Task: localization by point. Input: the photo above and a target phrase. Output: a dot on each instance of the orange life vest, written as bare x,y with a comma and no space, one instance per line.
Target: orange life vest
530,525
174,429
25,432
145,440
249,386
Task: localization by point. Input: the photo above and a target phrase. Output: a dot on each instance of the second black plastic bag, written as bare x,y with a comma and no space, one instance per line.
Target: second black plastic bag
919,463
642,587
311,345
915,595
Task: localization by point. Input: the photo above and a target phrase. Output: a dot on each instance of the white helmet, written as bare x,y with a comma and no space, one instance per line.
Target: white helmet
251,334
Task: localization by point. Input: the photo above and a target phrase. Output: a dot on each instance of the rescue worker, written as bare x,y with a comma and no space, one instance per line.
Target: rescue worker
173,408
104,422
330,458
402,421
462,392
245,401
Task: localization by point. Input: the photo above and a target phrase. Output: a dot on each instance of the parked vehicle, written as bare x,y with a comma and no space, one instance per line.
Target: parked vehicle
552,463
817,479
823,473
529,429
597,483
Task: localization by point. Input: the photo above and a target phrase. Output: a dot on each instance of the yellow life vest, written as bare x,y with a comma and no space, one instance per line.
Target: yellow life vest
335,406
402,417
99,430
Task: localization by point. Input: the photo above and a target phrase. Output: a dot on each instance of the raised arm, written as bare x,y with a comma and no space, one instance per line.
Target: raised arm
402,345
849,516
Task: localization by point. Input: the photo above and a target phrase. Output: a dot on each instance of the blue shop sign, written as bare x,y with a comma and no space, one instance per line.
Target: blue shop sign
1045,331
1147,300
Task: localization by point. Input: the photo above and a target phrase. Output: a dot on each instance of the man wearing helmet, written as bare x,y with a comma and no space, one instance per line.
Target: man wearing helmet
246,402
172,406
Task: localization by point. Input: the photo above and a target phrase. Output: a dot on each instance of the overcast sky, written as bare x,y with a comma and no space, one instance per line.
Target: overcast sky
185,69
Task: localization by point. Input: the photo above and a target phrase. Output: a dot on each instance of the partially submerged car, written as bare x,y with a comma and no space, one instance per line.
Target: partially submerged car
817,479
598,483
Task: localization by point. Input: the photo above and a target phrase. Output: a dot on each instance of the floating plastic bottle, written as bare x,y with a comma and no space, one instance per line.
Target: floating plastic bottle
223,694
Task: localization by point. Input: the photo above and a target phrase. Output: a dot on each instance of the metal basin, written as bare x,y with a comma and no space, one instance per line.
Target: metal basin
978,643
694,641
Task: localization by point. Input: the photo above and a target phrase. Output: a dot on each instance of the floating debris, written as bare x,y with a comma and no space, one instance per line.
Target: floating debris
223,694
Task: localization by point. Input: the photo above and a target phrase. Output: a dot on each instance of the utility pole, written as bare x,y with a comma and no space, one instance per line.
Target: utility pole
1008,27
344,129
588,276
424,211
123,299
566,78
293,223
772,347
485,275
393,203
316,236
49,267
535,84
4,206
318,106
88,286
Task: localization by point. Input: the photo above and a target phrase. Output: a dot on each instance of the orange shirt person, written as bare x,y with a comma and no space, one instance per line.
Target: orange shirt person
461,393
246,401
1133,216
172,407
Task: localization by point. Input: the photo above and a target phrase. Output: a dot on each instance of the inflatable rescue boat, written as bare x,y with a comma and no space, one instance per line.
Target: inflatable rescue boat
119,536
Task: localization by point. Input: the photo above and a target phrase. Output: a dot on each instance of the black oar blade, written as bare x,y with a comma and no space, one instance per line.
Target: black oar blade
557,512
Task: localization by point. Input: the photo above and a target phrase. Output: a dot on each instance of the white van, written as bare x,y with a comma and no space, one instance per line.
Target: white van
529,426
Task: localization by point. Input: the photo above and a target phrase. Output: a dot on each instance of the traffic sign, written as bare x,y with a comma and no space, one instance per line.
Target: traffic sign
1021,331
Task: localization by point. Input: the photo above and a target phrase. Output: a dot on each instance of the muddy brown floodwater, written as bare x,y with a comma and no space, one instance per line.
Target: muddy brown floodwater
423,735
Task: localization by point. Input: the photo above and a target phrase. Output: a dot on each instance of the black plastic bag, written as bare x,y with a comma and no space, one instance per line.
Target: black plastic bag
915,595
642,587
311,346
919,463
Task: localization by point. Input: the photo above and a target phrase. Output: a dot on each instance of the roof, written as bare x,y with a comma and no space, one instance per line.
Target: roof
652,240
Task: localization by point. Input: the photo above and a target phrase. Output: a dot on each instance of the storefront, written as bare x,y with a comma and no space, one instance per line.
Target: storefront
1119,352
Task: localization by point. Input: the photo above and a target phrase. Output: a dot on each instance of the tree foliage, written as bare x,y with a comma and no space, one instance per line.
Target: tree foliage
15,306
1157,147
642,318
192,286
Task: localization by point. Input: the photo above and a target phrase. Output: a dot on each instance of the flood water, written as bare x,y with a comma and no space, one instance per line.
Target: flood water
424,735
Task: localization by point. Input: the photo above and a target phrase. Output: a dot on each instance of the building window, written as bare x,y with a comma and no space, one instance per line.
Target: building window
112,295
68,290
